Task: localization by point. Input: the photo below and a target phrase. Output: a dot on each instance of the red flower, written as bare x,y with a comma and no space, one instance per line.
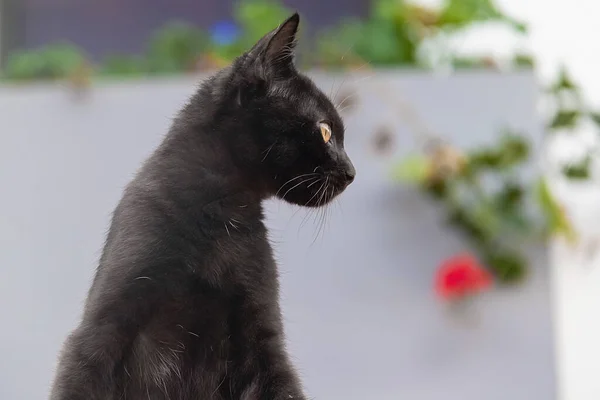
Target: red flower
461,275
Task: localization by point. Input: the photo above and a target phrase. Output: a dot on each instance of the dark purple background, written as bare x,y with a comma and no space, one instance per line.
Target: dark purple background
123,26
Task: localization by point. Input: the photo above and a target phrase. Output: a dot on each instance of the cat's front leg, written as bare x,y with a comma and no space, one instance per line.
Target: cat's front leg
86,366
274,384
277,378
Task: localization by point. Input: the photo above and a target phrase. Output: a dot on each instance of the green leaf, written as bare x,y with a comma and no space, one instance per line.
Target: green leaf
565,119
469,225
484,159
385,43
509,197
524,61
437,188
457,14
509,267
595,116
385,39
563,82
412,169
487,218
578,171
556,220
514,148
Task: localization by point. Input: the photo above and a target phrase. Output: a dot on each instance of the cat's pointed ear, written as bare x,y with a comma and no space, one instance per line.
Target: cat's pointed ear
280,49
275,51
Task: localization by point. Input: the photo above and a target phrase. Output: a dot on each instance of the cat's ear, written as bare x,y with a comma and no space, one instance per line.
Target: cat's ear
280,50
275,51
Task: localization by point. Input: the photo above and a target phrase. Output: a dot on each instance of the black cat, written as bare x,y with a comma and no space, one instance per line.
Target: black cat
184,304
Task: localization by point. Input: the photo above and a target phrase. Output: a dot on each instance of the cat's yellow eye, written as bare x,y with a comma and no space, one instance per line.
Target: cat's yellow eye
325,131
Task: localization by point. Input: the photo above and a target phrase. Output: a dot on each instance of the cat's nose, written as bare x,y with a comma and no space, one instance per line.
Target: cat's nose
350,173
349,170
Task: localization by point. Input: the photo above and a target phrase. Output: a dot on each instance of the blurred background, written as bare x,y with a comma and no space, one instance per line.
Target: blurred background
461,264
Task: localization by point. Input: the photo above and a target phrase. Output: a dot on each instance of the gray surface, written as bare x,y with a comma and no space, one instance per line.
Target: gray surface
359,307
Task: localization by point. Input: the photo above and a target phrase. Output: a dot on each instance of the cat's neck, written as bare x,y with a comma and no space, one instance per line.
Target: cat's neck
195,169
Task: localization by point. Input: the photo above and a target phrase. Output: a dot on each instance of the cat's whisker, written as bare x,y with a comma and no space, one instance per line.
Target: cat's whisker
340,105
315,211
344,54
311,210
346,78
345,99
328,209
296,185
308,187
324,215
293,179
331,89
309,200
339,205
267,151
341,110
234,225
355,81
227,229
364,78
321,213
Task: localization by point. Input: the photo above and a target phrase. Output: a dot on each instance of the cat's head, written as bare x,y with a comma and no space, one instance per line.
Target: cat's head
293,136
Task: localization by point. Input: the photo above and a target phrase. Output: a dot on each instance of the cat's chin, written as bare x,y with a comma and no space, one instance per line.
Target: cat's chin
320,197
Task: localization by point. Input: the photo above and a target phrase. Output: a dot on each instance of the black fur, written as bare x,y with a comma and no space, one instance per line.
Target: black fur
184,304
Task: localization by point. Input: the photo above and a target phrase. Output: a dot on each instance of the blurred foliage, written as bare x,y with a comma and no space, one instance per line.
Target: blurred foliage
570,112
395,31
456,14
176,48
256,17
485,199
392,35
52,62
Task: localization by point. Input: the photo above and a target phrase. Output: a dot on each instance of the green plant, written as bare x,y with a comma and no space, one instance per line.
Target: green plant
176,48
486,201
257,17
386,37
52,62
392,35
457,14
571,110
395,31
